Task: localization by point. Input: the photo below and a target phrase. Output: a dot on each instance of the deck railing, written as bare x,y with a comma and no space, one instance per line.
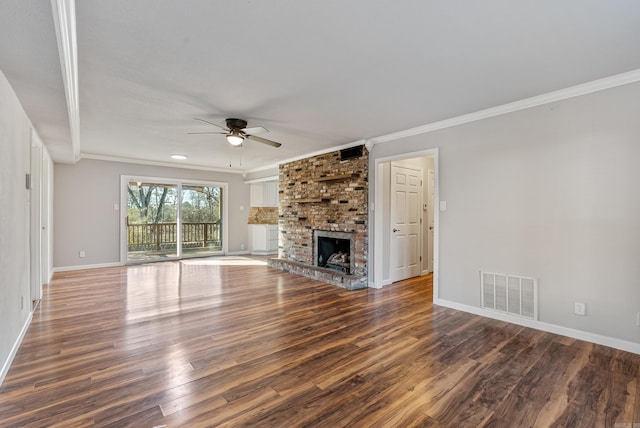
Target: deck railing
163,236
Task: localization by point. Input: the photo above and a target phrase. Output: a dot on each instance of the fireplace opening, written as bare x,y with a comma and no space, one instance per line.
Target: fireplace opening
333,250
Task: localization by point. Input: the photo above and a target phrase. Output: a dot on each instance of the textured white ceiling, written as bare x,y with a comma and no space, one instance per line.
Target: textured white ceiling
317,74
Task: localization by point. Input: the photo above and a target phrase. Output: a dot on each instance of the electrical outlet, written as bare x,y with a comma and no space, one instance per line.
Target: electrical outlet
82,254
242,246
579,308
638,319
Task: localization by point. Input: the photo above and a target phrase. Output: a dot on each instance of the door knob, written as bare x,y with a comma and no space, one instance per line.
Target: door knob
395,230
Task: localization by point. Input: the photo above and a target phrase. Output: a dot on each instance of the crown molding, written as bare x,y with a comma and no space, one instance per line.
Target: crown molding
157,163
550,97
262,180
538,100
64,19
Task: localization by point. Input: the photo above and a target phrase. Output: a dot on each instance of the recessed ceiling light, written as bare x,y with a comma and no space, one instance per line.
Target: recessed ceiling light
178,157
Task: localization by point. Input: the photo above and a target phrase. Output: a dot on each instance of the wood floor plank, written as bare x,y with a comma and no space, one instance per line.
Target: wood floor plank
636,411
228,341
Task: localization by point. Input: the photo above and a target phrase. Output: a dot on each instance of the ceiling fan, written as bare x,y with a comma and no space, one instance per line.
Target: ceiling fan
237,131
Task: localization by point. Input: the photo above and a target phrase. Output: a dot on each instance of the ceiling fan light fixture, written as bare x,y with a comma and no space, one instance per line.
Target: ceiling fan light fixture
235,138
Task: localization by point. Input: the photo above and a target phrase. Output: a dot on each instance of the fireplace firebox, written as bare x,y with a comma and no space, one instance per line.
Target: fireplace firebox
333,250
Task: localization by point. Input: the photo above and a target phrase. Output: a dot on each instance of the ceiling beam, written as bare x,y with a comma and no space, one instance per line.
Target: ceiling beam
64,18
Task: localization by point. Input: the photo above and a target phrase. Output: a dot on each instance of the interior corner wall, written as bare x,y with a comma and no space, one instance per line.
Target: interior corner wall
85,218
550,192
385,212
15,143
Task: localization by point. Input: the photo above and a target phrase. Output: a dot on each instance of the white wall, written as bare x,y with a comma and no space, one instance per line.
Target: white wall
84,215
550,192
15,142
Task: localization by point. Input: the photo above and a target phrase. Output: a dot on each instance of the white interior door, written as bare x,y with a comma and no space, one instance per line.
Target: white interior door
406,209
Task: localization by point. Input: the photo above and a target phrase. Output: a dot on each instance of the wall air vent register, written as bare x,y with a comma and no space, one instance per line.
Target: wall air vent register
510,294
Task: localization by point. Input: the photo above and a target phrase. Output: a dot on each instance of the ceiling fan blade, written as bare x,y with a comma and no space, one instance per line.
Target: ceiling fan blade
196,133
263,140
255,130
211,123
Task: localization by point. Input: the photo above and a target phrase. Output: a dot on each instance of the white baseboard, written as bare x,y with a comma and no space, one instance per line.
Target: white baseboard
612,342
263,253
81,267
383,283
237,253
14,350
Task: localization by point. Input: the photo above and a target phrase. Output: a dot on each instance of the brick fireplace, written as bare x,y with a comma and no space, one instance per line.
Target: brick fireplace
325,196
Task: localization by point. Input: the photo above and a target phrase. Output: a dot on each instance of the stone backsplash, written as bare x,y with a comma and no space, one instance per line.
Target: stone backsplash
263,215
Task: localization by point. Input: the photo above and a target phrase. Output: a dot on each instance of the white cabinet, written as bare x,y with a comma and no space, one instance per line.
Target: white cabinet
270,196
264,194
256,194
264,238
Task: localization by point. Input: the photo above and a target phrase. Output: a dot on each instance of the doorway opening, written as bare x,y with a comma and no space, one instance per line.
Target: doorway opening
406,218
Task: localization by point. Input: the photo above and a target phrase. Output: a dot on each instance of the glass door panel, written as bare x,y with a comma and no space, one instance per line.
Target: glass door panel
201,220
152,221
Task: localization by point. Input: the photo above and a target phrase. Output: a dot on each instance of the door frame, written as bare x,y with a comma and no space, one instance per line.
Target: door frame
35,220
378,226
124,198
431,209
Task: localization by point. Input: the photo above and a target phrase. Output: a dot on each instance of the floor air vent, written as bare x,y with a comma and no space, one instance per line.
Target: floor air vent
515,295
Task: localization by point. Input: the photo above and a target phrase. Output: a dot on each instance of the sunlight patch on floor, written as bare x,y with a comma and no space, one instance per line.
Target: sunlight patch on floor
226,261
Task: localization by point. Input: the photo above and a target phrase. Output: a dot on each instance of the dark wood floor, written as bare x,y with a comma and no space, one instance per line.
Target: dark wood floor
231,342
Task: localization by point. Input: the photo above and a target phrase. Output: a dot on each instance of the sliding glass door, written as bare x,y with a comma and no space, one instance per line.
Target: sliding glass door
166,220
152,217
201,220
